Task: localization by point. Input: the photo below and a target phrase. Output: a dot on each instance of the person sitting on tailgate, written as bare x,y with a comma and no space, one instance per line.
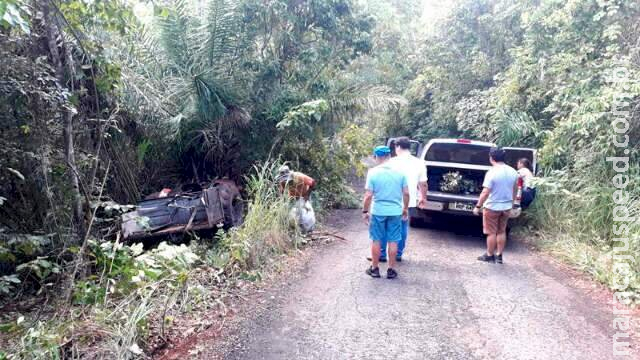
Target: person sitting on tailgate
528,189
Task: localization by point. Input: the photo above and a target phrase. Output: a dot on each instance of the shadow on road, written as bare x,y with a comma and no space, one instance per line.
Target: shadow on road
468,230
460,225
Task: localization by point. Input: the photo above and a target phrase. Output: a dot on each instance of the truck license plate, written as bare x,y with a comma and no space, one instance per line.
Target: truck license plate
434,206
462,206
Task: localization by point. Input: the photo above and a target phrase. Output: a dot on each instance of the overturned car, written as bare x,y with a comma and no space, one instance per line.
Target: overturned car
194,208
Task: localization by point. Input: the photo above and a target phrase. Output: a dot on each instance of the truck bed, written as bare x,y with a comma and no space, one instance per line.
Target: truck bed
436,176
456,169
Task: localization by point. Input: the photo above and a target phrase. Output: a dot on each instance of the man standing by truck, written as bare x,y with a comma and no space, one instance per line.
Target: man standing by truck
386,202
416,172
496,201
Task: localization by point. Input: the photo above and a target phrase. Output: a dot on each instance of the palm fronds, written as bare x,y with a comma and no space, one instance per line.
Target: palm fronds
516,128
175,36
345,104
219,31
210,99
183,71
359,99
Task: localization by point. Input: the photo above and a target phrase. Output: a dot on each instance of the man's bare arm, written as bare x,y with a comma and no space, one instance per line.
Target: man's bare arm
405,198
483,196
366,206
423,193
308,190
368,196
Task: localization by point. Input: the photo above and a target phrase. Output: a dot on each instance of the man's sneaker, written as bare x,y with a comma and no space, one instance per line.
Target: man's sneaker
373,272
499,258
487,258
382,260
391,274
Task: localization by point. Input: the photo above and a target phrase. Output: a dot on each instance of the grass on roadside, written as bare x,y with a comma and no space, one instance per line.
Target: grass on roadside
267,230
577,227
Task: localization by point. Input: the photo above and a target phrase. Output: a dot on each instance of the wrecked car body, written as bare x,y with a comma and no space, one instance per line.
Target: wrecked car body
195,208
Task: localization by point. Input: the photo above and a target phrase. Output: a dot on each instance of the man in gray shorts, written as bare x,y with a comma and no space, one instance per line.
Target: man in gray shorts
496,201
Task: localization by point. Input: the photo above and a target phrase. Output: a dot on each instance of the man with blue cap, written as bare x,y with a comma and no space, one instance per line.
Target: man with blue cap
386,204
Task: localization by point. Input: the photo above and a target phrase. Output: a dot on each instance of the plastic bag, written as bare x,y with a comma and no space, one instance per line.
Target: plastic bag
303,215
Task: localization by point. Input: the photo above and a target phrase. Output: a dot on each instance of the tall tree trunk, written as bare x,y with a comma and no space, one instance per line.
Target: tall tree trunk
70,155
53,33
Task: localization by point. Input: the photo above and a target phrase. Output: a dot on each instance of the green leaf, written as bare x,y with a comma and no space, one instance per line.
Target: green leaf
11,278
16,173
11,16
7,328
9,19
3,8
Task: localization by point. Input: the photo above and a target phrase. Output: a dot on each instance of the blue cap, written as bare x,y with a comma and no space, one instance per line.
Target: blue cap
381,150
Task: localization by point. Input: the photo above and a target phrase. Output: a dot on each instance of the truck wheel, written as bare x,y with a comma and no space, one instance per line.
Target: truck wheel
416,222
423,219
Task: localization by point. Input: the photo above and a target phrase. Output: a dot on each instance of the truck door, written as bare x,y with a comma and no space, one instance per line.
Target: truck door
416,148
513,154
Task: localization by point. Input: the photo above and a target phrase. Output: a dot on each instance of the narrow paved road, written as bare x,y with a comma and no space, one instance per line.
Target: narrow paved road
444,305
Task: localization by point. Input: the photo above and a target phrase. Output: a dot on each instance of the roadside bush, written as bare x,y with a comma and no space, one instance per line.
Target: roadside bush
574,217
333,162
122,269
113,305
24,264
41,341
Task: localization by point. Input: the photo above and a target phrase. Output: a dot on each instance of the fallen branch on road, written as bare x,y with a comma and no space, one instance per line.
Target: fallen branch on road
318,235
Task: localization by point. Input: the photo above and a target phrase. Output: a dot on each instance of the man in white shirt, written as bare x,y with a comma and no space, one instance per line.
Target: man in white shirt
416,173
496,201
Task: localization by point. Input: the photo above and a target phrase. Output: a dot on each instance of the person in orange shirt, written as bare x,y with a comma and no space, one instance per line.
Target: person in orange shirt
298,184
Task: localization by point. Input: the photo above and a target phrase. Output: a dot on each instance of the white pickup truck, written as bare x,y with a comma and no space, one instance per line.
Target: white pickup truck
455,171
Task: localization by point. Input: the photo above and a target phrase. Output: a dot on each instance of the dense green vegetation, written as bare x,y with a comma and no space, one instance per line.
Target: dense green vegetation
104,101
535,73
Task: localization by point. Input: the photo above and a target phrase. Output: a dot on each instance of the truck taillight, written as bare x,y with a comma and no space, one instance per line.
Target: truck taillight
519,183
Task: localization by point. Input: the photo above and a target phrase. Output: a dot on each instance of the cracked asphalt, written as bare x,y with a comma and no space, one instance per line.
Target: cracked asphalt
444,305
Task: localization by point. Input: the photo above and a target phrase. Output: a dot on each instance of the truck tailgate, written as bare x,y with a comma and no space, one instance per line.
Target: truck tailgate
446,197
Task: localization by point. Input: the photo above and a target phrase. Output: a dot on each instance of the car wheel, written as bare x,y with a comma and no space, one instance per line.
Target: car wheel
417,222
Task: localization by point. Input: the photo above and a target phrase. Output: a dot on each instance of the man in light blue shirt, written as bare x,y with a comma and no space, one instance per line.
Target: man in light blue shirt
500,186
416,172
387,190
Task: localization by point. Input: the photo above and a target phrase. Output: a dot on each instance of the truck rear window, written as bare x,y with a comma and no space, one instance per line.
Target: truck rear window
415,147
458,153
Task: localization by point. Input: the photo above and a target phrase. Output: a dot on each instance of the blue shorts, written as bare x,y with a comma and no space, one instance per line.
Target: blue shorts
385,228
